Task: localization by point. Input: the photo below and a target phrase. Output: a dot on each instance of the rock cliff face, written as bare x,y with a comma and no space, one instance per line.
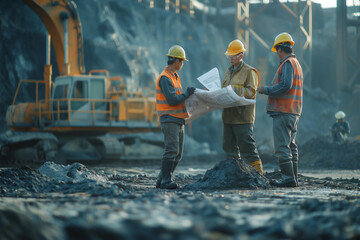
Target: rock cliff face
130,39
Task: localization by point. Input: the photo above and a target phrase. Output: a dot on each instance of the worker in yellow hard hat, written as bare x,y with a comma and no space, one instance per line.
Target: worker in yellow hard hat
172,113
340,130
238,140
284,106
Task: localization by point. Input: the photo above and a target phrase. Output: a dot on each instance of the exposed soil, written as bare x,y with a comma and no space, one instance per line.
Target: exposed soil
321,153
227,201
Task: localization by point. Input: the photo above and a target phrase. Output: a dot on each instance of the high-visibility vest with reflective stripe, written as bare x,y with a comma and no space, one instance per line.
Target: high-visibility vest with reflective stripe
291,101
162,106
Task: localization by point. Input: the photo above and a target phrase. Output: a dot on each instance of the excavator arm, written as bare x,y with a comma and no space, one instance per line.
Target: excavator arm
63,24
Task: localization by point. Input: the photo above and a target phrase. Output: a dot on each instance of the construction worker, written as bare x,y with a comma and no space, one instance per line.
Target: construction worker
238,140
172,112
341,128
284,105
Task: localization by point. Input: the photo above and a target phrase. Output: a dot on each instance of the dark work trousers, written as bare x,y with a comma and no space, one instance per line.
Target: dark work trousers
238,142
337,136
284,130
173,141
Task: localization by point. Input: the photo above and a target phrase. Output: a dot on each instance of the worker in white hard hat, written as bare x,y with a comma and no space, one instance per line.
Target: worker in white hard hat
341,128
238,139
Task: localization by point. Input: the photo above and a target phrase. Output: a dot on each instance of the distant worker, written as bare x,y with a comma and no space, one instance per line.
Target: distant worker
172,112
284,105
341,128
238,140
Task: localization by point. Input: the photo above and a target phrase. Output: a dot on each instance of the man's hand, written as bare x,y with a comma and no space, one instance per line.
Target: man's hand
190,90
260,89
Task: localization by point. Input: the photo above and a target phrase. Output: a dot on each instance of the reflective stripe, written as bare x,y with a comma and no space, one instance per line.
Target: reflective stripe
176,90
296,77
296,87
298,98
171,112
161,102
299,77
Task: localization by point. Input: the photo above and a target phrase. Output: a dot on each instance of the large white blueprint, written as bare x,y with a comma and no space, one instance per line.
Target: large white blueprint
203,101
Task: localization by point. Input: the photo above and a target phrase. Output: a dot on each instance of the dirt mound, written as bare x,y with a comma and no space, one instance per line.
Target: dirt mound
320,153
229,174
75,172
54,178
16,180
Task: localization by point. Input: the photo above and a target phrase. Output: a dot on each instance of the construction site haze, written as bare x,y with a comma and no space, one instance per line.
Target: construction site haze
179,119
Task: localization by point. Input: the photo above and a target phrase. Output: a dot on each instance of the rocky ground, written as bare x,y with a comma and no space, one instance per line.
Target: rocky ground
217,200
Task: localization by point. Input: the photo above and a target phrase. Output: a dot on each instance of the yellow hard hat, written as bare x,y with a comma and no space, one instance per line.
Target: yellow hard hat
177,51
235,47
282,38
340,115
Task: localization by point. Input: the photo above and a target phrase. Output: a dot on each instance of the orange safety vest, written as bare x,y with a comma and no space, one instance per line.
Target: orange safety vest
162,106
291,101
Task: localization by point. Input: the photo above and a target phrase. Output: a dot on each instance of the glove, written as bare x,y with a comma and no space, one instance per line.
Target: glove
190,90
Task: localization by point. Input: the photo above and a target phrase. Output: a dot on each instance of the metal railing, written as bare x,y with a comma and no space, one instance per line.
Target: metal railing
48,111
62,110
37,82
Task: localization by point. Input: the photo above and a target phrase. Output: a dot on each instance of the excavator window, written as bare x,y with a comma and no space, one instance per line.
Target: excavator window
97,91
61,91
80,92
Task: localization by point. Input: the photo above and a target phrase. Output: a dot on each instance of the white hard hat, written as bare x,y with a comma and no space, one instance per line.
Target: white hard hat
340,115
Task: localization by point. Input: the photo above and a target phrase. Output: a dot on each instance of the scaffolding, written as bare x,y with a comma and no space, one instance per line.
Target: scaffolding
345,55
188,6
244,29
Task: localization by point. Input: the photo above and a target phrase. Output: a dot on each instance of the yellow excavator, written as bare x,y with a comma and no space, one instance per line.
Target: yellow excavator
80,116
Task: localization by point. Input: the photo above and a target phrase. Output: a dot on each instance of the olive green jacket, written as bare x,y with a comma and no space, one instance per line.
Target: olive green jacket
244,80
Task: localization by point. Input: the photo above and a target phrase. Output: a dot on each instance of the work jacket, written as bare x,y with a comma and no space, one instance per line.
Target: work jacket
341,126
291,101
244,80
162,106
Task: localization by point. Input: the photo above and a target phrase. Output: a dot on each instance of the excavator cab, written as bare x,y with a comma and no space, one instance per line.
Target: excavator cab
77,98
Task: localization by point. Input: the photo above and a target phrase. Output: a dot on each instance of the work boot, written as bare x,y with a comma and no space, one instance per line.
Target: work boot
257,165
158,181
174,166
295,170
166,180
284,181
287,176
